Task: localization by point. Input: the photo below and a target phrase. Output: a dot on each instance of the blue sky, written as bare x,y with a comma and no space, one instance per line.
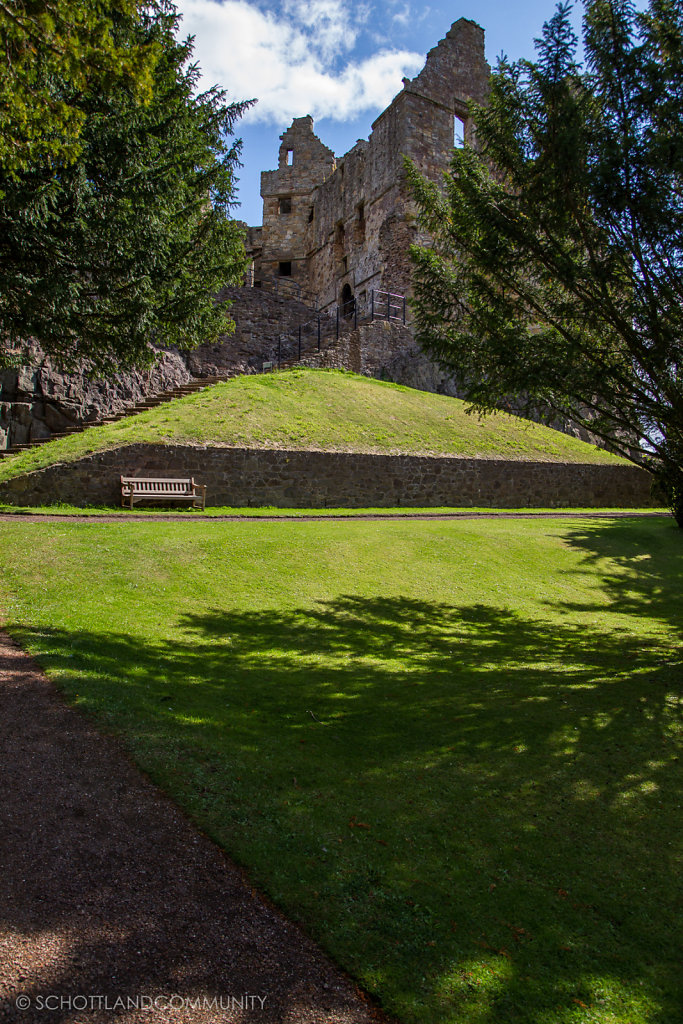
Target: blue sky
340,60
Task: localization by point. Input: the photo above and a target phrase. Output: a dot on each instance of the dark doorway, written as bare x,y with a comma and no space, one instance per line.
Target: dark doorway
348,303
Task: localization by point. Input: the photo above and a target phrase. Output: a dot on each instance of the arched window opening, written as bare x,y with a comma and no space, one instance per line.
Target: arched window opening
348,304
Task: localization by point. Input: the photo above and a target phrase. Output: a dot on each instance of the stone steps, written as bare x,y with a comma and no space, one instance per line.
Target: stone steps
151,402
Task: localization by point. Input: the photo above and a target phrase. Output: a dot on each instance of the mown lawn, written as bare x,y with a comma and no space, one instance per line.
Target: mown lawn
320,410
450,749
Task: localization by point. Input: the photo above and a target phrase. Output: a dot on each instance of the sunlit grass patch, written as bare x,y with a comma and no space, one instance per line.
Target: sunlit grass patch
319,410
450,749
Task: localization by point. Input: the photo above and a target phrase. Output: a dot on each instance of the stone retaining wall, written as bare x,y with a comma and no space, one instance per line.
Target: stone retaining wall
260,316
311,479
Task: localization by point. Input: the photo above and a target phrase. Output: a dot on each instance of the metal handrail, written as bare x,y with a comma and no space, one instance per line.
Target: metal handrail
278,283
382,305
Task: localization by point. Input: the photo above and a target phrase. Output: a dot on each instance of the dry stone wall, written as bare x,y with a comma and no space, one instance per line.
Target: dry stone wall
241,477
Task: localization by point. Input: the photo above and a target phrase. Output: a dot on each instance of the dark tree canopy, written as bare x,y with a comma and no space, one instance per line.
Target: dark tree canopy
556,269
127,244
51,50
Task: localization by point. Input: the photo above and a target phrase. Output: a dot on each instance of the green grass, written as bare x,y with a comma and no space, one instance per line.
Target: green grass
325,410
449,749
272,511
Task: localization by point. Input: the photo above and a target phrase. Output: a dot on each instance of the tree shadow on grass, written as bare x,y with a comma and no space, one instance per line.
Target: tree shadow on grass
640,570
470,808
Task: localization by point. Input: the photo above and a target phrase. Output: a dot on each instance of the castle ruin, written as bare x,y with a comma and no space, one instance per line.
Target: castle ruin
339,227
335,230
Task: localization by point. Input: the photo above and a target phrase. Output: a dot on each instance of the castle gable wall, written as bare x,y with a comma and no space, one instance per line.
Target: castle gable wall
351,221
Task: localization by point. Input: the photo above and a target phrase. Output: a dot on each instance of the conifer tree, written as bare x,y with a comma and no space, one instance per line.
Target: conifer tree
47,44
127,244
555,276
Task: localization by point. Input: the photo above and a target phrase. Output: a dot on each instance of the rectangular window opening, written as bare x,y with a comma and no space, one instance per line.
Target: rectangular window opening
290,157
458,132
285,205
360,222
284,268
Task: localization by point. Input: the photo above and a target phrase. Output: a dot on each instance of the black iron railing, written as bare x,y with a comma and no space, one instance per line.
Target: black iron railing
325,328
285,286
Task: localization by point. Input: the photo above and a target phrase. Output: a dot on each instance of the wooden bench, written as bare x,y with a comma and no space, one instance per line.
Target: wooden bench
135,489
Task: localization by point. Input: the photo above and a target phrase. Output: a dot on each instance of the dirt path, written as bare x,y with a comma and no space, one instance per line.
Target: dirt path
155,517
114,908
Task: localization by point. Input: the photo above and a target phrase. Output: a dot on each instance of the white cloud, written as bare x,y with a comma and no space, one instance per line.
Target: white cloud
290,62
326,22
404,16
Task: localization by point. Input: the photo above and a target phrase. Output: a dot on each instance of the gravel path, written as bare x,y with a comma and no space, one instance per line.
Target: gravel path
114,908
155,517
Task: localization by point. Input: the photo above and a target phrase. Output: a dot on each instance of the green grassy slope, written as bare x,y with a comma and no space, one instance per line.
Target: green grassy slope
314,409
449,749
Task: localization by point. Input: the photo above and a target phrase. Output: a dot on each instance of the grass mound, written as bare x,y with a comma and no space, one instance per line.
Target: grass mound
320,410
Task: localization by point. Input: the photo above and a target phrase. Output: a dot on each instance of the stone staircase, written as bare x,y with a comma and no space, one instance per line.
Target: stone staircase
149,402
311,341
325,330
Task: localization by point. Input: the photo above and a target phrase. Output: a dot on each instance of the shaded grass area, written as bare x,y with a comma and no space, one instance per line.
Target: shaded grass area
327,410
449,749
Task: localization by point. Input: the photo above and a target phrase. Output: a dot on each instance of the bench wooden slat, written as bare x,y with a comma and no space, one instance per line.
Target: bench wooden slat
136,488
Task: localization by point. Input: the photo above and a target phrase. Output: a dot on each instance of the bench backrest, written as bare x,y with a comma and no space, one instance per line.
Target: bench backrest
155,485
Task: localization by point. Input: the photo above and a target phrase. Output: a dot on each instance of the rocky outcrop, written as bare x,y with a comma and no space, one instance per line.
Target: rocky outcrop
37,400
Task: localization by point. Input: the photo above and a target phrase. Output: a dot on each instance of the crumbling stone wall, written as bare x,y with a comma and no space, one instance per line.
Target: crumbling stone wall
346,224
259,317
387,351
303,163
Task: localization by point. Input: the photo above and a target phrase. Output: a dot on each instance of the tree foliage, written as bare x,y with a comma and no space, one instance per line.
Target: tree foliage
51,50
126,245
556,269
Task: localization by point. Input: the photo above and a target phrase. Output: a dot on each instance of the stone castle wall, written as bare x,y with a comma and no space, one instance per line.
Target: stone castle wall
259,317
242,477
333,229
341,226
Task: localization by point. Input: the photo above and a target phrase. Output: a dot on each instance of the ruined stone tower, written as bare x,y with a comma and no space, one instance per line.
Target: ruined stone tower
337,227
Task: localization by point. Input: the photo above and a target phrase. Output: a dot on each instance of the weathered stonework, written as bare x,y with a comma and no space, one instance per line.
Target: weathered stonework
386,351
259,317
312,479
342,226
37,400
